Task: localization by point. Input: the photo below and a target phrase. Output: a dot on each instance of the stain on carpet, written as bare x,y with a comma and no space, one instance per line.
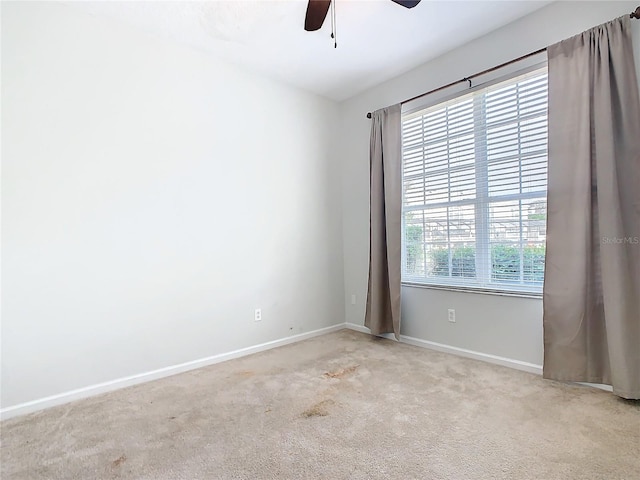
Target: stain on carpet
246,374
119,461
342,372
318,410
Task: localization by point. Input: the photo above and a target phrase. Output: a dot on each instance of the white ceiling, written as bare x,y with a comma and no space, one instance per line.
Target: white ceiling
377,39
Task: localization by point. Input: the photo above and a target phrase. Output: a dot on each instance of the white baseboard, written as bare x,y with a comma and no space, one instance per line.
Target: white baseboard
91,390
363,329
485,357
606,388
357,328
66,397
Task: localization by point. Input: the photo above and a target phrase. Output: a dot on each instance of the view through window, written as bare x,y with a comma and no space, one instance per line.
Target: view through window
475,186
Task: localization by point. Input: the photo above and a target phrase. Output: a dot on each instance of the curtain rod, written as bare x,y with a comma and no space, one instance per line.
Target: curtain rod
468,79
635,14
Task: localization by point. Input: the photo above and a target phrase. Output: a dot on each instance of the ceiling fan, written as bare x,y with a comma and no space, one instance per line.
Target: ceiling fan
317,12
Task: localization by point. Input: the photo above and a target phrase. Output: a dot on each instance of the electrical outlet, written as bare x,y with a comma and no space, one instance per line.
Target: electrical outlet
452,315
257,316
353,299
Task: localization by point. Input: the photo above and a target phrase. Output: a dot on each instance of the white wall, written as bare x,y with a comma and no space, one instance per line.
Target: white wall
152,197
495,325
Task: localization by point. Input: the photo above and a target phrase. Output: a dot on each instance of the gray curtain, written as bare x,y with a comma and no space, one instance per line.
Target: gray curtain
383,295
592,278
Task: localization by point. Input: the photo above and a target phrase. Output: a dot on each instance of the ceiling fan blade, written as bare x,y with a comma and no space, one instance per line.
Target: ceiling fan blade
316,13
407,3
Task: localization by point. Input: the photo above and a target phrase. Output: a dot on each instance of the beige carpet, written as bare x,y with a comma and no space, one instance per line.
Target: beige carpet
340,406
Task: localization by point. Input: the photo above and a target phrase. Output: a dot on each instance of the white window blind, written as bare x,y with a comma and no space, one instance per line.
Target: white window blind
475,186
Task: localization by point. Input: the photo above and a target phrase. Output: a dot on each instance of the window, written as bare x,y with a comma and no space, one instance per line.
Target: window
475,188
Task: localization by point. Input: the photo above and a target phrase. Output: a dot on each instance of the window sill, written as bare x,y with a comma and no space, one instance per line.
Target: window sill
451,288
